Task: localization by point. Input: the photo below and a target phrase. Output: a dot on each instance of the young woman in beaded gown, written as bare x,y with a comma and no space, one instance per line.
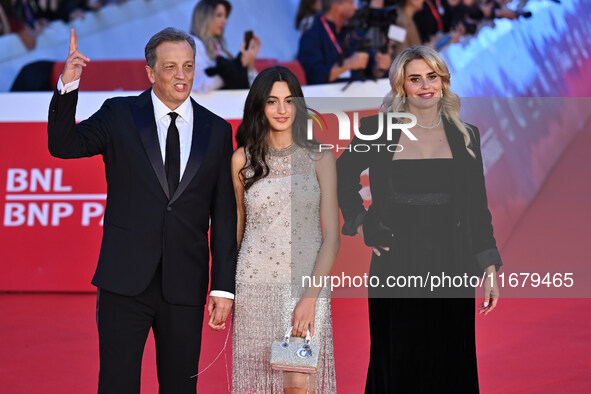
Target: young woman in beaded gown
284,188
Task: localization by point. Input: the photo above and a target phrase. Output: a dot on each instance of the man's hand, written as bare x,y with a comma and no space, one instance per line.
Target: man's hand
74,62
218,308
357,61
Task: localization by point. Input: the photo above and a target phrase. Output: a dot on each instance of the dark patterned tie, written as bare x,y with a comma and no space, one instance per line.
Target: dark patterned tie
172,162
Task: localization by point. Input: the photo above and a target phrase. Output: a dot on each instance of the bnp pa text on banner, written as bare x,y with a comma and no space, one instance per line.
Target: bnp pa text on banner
39,197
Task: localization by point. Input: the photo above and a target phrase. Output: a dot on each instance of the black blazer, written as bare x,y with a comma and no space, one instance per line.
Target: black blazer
143,225
474,243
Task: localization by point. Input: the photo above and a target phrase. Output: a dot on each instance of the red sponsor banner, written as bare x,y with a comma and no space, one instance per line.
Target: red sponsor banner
52,213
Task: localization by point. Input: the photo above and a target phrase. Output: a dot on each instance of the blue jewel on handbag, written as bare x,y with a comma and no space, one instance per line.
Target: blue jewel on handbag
295,356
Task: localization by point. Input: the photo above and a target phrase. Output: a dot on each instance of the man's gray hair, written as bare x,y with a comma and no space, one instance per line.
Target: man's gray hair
170,34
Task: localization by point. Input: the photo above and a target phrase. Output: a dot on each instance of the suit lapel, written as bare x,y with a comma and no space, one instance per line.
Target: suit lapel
201,133
460,165
143,115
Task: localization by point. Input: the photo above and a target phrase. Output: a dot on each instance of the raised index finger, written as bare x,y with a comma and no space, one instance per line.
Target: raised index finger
73,42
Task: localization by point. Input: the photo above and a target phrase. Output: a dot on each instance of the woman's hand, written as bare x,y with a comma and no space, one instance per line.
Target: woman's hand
375,249
491,291
249,55
303,317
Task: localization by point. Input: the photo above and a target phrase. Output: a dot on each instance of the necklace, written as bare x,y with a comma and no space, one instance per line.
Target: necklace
282,152
430,127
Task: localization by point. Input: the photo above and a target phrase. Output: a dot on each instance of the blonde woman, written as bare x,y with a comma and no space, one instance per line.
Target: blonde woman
215,67
429,217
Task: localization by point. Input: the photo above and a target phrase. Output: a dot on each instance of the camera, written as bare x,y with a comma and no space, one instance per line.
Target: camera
374,23
366,17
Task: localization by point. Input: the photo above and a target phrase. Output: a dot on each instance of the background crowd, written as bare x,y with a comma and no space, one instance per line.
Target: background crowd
364,32
28,18
388,27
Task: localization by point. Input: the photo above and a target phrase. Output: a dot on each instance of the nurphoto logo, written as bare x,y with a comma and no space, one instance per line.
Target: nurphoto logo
387,121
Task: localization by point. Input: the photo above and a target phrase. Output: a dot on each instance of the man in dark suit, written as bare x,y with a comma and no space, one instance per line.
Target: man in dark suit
167,165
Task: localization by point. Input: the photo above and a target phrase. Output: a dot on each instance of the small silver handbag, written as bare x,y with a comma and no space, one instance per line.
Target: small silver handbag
295,356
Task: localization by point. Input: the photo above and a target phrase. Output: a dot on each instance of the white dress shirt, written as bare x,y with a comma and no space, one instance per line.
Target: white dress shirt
184,124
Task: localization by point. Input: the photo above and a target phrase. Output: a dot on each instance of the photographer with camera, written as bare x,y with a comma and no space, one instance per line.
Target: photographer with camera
396,23
329,51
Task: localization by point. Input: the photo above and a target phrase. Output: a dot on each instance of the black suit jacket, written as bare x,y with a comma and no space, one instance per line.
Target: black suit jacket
474,243
143,225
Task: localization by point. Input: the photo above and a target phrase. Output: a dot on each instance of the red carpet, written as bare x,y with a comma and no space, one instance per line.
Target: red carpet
48,342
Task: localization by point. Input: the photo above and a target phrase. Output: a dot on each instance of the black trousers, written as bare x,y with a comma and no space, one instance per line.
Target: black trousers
123,326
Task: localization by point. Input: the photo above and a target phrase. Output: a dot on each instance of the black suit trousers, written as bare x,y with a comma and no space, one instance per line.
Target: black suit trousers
123,326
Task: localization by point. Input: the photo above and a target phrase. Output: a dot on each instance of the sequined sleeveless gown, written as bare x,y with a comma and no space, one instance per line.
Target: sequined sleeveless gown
281,241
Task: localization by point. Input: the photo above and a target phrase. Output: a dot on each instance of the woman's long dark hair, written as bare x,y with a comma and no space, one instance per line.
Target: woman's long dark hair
254,130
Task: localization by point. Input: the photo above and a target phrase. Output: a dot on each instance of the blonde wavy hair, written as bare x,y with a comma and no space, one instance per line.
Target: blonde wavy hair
449,103
203,14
